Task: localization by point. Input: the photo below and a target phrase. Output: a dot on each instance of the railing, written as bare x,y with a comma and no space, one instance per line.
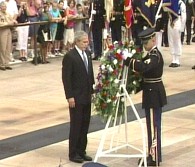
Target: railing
35,35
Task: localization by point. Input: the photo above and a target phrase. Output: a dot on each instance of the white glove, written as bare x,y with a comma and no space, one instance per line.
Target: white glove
93,12
126,54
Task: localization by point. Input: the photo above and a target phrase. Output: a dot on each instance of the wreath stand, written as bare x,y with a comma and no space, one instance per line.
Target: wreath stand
112,151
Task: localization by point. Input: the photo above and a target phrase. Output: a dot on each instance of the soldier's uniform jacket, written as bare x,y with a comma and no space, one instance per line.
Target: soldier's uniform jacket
137,17
117,16
160,21
98,18
151,67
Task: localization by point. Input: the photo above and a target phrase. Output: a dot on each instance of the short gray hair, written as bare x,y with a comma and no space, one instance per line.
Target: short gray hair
3,4
79,35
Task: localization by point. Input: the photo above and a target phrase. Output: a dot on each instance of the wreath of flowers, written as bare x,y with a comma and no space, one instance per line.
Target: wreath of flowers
108,79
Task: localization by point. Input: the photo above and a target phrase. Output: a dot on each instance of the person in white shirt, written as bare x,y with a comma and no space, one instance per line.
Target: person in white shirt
174,35
12,8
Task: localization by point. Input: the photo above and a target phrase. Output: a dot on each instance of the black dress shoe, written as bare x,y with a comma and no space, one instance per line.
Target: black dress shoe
86,157
193,67
152,163
2,68
176,65
172,65
77,159
8,68
95,58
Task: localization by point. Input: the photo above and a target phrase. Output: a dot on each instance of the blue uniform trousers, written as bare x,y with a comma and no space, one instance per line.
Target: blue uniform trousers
153,120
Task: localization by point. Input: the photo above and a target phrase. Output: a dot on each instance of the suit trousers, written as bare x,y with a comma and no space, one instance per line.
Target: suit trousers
153,121
79,125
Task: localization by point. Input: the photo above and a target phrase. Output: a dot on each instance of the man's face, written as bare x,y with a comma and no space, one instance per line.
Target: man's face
83,43
148,45
3,8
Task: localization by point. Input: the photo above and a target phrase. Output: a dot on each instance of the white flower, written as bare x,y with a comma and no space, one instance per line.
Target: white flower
133,51
125,51
133,92
115,61
115,42
103,67
109,100
110,69
116,81
118,51
134,82
131,42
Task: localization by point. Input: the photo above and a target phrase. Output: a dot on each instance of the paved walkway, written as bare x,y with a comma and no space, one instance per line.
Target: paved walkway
32,99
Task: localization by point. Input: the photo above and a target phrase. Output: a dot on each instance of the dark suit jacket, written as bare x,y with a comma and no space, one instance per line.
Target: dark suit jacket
77,82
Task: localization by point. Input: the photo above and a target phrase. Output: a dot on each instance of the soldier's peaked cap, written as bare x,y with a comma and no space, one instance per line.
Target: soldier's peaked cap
146,34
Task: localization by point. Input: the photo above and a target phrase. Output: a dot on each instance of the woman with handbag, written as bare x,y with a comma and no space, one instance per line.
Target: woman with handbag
44,34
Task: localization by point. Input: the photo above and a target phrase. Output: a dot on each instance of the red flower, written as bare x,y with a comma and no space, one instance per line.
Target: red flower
111,47
115,72
119,56
103,105
138,50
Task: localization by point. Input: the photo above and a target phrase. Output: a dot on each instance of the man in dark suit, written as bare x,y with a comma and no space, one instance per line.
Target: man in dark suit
154,95
78,80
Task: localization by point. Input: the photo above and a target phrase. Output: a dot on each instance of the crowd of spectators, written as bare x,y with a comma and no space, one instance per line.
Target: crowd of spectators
64,18
53,38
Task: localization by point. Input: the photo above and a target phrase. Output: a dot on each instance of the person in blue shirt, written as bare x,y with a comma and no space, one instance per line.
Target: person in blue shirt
56,17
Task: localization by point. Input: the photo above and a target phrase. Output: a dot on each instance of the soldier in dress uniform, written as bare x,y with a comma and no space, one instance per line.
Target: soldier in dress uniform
154,95
98,11
190,13
159,28
117,20
165,29
137,25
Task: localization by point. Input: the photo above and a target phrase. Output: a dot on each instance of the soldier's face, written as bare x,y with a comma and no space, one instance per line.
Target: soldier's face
148,45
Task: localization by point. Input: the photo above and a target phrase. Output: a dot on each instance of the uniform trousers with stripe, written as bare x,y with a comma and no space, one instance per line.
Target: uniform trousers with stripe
153,121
